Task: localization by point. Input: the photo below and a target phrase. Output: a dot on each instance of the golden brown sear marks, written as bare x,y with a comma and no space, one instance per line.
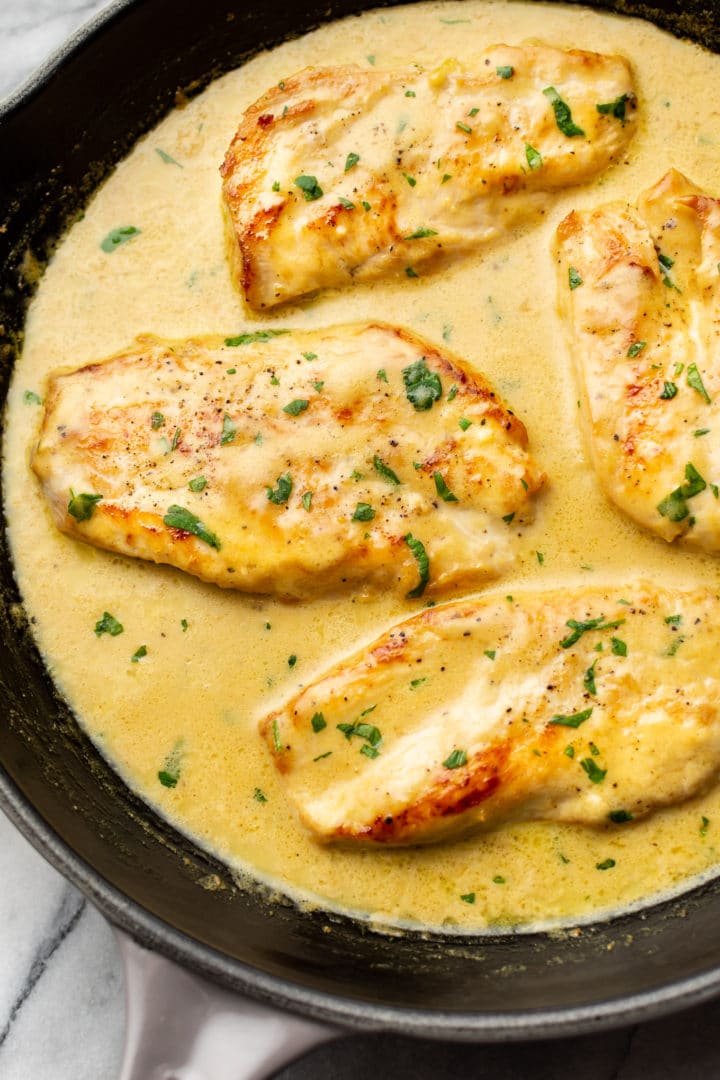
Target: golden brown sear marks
594,706
340,175
640,292
356,458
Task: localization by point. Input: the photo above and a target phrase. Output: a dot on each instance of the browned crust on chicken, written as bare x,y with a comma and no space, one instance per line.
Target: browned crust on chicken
441,163
327,415
643,319
570,705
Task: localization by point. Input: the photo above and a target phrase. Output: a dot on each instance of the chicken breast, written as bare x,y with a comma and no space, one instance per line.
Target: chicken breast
588,705
291,463
339,175
640,291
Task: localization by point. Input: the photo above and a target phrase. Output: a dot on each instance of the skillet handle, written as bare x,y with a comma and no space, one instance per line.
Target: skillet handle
179,1026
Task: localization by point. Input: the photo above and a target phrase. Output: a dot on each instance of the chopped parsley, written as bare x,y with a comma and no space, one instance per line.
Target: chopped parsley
138,654
574,720
198,483
229,431
618,647
346,203
505,71
363,512
589,679
606,864
704,826
580,628
615,108
595,774
574,278
292,660
309,187
385,471
669,391
306,500
371,735
167,158
318,722
409,272
281,493
257,335
463,127
674,506
410,179
422,386
116,237
499,880
534,157
177,435
456,760
82,506
442,489
108,625
563,115
295,407
421,234
168,779
350,160
468,898
452,392
421,557
31,398
259,796
620,817
178,517
464,423
490,653
636,348
694,379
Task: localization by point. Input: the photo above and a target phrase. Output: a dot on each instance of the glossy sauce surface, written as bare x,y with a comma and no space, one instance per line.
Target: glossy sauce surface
217,661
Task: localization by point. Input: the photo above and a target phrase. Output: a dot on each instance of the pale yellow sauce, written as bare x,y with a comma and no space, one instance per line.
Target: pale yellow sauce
200,689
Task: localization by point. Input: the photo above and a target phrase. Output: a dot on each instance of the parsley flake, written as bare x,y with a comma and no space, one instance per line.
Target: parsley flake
309,187
281,493
116,237
385,471
574,720
257,335
178,517
423,561
82,506
422,386
363,512
563,115
442,489
108,625
456,760
295,407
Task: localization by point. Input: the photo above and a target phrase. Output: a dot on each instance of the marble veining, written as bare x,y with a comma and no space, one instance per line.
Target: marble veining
61,993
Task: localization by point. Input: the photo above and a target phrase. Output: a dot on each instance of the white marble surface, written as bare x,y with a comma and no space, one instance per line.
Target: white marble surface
61,993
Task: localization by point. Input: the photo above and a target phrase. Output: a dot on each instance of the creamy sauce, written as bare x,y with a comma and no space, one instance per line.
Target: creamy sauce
216,661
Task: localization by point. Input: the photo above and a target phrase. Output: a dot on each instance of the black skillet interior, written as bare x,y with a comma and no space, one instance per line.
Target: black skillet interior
56,144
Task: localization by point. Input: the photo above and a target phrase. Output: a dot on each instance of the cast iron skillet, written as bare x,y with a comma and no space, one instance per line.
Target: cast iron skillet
58,138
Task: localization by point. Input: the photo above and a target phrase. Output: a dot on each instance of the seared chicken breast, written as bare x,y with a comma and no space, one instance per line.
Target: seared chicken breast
291,463
585,705
339,175
640,291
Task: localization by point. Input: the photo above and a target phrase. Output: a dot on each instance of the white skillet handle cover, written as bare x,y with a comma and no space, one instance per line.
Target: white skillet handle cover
179,1026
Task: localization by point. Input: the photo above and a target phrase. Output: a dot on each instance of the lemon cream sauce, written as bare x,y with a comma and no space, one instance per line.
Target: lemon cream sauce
179,692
